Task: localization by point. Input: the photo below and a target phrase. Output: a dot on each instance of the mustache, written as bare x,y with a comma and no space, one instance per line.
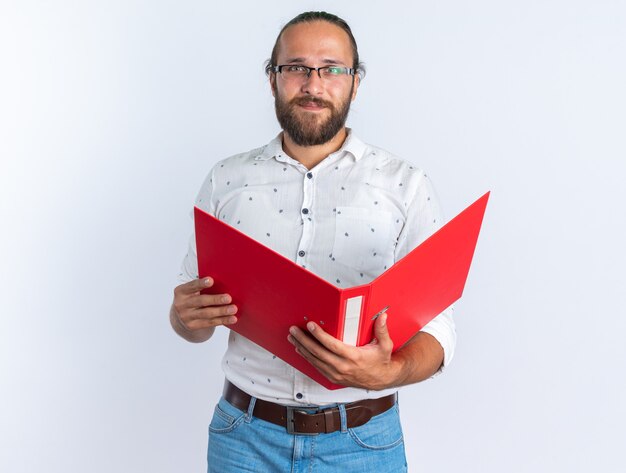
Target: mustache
309,100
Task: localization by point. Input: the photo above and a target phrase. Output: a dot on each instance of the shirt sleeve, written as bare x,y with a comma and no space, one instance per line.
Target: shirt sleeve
204,200
424,217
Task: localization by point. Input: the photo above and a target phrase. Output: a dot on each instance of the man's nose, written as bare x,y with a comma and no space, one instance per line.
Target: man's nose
313,83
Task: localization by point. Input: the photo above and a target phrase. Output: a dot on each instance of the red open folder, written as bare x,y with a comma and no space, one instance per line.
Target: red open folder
273,293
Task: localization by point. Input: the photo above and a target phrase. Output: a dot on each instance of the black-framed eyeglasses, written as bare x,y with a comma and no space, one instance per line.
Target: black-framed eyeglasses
300,72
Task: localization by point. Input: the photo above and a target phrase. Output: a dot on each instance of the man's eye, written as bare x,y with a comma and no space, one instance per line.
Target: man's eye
335,71
297,69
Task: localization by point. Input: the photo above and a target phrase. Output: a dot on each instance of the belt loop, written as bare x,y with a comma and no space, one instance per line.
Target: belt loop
250,409
343,418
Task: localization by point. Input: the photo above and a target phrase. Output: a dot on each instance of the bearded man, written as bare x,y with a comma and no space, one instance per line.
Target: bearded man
297,195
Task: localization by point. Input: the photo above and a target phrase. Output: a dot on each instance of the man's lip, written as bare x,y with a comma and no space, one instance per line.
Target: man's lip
311,106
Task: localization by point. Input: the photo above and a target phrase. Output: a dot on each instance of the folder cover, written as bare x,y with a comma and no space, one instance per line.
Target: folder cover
273,293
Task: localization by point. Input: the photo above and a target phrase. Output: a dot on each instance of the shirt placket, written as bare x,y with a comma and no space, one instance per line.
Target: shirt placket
307,214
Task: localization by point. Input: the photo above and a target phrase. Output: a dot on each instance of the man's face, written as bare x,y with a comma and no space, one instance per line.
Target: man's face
313,110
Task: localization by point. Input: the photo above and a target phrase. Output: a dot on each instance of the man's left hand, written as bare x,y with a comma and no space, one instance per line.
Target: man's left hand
369,366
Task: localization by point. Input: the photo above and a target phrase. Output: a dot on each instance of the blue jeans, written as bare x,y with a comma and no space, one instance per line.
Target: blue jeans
239,442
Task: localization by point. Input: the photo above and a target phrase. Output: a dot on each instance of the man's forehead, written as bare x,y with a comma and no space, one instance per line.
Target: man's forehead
320,38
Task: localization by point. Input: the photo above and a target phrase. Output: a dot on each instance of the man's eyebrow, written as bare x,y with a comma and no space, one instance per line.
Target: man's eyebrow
332,61
301,60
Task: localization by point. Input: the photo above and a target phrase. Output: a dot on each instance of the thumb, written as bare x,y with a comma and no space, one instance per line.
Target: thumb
381,332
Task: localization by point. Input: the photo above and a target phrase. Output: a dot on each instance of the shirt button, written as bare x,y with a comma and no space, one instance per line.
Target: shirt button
299,395
309,175
301,253
305,211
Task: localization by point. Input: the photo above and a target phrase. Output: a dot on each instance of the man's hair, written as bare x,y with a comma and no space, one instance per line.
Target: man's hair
310,17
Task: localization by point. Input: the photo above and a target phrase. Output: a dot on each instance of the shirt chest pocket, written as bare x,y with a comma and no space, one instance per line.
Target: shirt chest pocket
363,239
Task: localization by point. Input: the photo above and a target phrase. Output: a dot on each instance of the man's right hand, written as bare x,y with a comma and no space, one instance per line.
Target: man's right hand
194,316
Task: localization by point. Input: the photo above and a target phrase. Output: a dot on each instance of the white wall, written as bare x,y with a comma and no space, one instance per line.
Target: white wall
112,112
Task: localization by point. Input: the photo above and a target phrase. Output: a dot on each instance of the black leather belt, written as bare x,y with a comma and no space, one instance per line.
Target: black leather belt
298,420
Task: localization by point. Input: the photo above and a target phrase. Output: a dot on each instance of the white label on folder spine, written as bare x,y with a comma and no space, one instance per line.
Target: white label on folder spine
351,320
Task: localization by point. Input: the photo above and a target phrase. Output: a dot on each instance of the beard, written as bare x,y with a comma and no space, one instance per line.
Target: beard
307,129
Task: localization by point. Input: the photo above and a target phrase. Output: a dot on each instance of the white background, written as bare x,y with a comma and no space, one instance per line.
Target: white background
112,112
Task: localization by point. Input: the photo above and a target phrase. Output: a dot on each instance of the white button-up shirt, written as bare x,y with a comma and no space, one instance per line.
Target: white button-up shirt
347,220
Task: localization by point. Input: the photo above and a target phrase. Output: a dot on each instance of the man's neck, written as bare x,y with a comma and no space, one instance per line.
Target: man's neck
311,156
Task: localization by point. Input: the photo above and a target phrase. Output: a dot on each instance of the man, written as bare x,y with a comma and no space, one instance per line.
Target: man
345,211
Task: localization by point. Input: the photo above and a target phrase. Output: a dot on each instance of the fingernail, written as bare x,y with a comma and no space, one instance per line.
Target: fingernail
292,330
226,299
383,320
232,320
207,281
232,309
290,339
310,326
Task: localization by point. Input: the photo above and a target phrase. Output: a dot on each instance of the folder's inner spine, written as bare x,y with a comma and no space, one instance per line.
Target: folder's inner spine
351,320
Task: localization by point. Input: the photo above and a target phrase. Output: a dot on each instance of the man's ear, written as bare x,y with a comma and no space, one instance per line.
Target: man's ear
273,83
357,81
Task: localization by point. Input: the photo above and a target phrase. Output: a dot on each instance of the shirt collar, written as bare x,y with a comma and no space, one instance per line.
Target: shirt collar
274,149
352,146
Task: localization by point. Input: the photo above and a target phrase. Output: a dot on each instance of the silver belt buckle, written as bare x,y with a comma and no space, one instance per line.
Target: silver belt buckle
291,422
